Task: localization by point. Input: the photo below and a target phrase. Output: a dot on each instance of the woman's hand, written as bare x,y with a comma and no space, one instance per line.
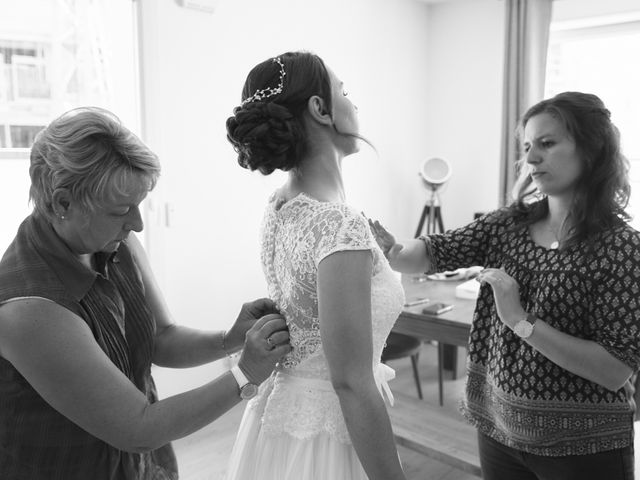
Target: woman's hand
385,240
267,341
506,294
249,314
580,356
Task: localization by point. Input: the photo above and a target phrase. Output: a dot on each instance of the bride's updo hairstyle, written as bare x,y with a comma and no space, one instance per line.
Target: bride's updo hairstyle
266,129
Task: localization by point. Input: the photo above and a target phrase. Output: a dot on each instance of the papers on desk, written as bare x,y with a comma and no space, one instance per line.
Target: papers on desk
456,275
468,289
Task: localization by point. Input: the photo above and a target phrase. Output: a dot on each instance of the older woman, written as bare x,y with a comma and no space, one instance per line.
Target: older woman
82,321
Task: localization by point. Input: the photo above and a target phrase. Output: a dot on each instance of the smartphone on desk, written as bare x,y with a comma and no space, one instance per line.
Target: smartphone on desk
412,302
437,308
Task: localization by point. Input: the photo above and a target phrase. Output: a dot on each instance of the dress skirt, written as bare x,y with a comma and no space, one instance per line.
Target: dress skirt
264,455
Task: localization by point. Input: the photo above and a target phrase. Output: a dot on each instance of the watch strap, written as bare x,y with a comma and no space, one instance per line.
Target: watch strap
240,377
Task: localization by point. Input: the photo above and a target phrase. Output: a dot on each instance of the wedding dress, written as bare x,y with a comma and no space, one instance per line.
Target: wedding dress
294,428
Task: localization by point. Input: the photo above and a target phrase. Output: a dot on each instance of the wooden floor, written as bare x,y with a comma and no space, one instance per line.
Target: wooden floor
203,455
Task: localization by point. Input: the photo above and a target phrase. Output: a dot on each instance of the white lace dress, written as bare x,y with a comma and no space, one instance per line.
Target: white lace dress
294,428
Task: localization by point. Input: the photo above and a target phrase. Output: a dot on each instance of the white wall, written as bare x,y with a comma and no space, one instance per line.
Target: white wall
194,66
427,80
464,103
464,98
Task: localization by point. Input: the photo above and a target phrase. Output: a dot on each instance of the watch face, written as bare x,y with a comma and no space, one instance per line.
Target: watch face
523,329
248,391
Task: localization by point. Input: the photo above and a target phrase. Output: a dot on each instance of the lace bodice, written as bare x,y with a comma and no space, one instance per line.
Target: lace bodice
296,235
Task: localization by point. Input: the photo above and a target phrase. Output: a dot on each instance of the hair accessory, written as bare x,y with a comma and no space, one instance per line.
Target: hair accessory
269,91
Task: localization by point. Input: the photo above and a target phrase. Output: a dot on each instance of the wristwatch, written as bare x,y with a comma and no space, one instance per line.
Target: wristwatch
524,328
247,389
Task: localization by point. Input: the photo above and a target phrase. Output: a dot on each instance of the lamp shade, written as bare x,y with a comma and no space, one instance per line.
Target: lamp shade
435,171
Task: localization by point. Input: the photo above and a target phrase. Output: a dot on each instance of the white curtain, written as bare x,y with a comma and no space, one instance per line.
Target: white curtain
526,41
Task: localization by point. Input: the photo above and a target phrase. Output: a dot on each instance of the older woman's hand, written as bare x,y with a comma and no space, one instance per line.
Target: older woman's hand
506,294
267,341
250,312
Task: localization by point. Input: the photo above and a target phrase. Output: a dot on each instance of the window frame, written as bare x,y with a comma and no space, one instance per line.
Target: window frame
606,26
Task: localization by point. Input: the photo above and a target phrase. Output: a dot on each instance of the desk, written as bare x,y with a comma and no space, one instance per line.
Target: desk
450,328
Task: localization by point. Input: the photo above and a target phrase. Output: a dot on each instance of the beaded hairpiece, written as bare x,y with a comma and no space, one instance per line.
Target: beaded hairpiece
269,91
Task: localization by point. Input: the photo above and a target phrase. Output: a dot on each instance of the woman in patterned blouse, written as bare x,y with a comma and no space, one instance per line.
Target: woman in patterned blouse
555,340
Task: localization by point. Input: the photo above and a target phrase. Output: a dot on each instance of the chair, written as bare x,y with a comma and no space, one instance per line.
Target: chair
399,346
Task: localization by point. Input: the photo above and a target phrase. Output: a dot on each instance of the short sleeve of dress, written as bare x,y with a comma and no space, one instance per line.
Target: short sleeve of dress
616,309
337,228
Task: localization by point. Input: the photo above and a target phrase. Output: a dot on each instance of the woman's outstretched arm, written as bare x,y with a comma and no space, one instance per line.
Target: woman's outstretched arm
410,256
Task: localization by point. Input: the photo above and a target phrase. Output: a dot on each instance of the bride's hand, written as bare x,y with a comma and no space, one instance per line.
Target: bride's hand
385,239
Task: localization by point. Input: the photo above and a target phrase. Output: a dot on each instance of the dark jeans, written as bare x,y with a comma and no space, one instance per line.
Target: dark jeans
500,462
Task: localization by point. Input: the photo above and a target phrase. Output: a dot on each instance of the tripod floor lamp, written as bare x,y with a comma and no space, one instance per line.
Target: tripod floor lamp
434,173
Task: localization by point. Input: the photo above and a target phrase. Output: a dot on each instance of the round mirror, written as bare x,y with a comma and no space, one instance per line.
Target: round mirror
435,171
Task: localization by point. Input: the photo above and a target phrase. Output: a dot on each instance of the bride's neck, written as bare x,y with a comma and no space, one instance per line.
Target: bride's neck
321,178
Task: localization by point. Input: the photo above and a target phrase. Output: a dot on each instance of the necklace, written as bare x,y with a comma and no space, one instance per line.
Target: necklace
556,243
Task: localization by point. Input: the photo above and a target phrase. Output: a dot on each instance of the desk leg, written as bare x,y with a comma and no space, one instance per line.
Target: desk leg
454,360
440,370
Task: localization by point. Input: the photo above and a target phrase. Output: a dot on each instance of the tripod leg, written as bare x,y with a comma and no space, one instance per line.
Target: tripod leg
431,222
421,223
439,219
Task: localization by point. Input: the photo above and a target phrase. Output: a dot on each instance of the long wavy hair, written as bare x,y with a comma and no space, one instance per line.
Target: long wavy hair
602,191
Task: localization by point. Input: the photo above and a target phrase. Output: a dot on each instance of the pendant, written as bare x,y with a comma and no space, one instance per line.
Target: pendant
554,245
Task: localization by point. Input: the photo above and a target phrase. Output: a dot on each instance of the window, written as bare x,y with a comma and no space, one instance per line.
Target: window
54,56
24,69
23,135
600,56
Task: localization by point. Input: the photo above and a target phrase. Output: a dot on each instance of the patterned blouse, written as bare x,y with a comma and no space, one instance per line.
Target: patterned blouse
516,395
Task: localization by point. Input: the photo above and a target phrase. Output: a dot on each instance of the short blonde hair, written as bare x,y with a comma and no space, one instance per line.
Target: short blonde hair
88,151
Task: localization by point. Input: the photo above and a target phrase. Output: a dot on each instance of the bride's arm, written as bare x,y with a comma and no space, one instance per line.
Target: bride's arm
344,303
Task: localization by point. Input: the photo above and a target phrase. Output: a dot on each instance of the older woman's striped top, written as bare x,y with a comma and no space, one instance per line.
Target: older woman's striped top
37,442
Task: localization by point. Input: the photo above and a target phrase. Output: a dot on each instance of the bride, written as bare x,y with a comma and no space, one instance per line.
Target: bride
322,414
